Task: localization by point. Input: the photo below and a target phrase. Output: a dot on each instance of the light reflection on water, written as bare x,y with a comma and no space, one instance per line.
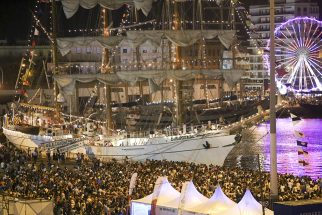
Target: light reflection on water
257,141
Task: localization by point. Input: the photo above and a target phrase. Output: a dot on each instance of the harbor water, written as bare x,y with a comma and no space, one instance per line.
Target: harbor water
254,150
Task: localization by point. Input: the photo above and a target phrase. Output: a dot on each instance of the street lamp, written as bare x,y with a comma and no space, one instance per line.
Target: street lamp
272,98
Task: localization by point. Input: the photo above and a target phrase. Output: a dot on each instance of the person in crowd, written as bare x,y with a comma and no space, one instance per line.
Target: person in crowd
48,156
35,155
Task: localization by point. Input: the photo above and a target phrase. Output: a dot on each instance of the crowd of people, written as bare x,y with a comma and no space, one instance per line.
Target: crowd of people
93,187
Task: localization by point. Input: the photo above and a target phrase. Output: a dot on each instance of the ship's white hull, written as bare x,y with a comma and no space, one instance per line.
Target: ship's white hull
189,150
180,148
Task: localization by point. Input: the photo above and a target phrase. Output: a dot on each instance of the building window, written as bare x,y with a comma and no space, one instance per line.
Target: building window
78,50
117,89
88,50
124,51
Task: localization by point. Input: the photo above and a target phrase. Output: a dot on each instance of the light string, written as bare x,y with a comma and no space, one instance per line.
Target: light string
38,23
27,60
238,7
131,26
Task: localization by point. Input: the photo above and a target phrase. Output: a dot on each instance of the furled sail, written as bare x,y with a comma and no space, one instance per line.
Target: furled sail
181,37
136,38
232,76
68,43
70,7
67,83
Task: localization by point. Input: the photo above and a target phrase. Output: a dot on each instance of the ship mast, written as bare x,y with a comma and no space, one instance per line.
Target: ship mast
105,61
177,65
221,81
203,54
138,58
54,51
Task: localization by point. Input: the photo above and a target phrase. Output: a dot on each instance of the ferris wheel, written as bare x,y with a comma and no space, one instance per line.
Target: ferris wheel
298,53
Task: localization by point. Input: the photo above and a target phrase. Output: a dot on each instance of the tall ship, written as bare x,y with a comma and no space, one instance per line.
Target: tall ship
150,80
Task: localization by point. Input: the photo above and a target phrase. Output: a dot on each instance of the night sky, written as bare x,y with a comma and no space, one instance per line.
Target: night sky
15,18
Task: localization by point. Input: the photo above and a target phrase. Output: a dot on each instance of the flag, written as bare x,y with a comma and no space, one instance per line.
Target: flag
26,83
303,162
301,143
299,134
22,92
36,32
302,152
295,119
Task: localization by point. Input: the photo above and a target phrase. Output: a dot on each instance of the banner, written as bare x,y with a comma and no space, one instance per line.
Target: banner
132,183
182,197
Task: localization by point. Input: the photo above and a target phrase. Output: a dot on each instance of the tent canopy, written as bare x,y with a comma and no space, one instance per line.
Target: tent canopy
247,206
170,202
218,203
190,198
164,193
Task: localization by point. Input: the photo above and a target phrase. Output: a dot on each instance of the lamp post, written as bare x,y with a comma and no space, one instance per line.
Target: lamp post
273,157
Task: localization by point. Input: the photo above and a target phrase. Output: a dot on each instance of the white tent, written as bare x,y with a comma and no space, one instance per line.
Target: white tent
218,203
141,206
247,206
190,199
166,200
31,207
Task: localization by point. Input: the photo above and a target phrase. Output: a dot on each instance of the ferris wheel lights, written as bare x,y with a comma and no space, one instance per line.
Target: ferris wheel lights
297,50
